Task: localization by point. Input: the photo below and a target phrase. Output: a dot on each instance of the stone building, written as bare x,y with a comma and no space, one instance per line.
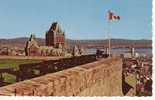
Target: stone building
32,47
55,36
4,51
11,51
55,42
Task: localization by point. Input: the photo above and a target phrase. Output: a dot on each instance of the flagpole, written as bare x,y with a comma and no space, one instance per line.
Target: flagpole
109,40
111,17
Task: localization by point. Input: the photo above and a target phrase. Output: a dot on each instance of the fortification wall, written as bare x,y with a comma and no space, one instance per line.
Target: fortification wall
99,78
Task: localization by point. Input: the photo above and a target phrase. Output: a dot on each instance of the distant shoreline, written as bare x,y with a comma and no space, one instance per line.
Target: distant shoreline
116,43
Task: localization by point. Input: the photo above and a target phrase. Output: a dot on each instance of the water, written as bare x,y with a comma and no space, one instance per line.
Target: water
146,51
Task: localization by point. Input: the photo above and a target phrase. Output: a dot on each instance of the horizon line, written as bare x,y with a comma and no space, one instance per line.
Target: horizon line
83,39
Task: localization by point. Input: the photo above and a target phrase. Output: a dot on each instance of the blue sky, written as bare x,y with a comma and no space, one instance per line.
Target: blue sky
80,19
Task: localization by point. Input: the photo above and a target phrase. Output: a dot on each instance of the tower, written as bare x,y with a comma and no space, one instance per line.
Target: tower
32,47
55,36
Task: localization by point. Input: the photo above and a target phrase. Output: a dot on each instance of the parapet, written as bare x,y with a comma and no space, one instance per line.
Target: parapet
99,78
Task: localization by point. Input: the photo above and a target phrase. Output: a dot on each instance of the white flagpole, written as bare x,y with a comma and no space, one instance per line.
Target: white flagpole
109,27
109,39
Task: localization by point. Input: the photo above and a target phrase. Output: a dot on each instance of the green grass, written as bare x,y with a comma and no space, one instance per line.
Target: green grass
131,80
13,63
144,94
36,72
9,78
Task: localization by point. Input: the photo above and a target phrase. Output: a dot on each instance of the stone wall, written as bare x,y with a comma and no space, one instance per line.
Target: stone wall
100,78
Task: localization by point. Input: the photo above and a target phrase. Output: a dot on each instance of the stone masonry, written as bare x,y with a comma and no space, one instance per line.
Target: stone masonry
100,78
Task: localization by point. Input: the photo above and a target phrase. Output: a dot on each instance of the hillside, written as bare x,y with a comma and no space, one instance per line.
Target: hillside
20,42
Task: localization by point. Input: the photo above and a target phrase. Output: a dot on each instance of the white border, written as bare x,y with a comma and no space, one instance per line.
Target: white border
99,98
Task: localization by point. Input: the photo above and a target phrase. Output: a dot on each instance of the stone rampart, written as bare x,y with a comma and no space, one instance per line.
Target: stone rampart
99,78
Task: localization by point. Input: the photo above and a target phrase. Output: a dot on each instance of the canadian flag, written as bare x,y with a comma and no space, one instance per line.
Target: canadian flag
112,17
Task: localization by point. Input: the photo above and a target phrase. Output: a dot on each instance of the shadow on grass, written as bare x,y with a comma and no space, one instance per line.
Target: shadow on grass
31,70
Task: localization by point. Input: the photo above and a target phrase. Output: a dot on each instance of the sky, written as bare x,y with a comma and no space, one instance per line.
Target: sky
79,19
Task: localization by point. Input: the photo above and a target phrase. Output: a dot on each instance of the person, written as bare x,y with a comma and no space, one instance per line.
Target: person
97,53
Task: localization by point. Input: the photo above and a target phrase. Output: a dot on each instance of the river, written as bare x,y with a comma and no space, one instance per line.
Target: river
146,51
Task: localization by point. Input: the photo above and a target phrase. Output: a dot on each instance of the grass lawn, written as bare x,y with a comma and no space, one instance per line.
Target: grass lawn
13,63
9,78
131,80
